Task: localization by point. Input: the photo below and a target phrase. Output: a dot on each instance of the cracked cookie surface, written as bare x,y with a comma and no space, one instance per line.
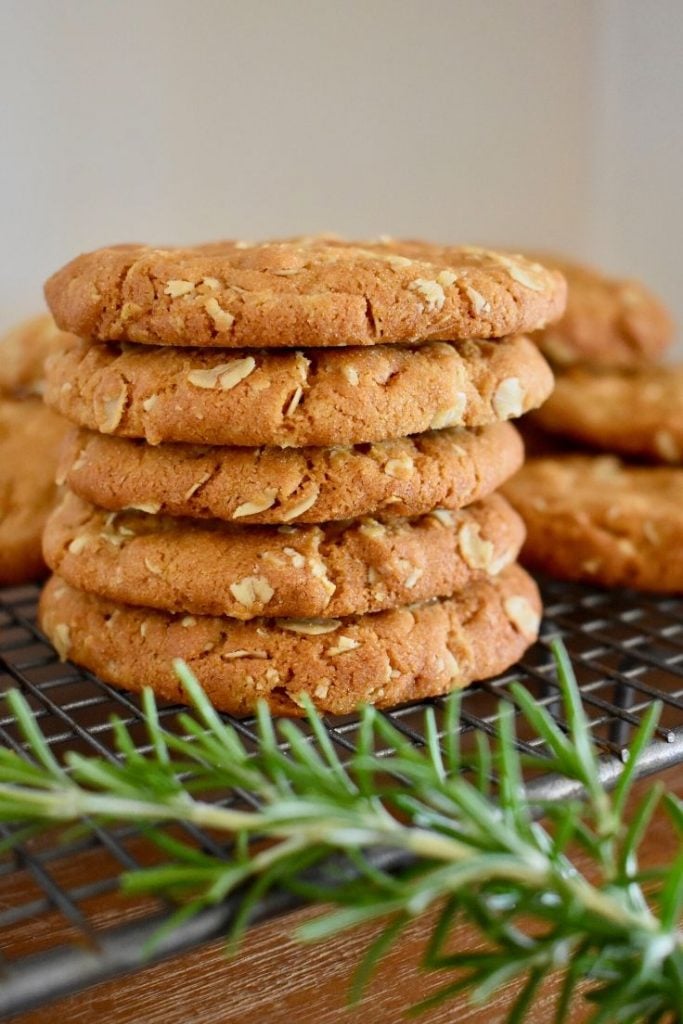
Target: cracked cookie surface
316,397
300,292
447,468
215,568
385,659
597,520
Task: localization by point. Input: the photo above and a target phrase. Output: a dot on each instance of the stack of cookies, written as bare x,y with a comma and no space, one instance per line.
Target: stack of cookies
612,512
30,436
285,468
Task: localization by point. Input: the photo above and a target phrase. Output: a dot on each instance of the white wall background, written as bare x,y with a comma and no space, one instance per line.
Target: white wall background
552,123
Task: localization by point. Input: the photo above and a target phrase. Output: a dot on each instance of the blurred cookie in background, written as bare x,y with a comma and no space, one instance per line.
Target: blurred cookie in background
608,321
23,351
636,412
595,519
30,437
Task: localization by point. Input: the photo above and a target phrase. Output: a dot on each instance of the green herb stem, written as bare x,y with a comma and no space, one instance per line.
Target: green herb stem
473,855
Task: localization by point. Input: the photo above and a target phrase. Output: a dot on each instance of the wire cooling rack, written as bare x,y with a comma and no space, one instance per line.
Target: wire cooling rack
63,925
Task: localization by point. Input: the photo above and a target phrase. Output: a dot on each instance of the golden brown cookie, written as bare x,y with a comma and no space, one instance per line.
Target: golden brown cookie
23,351
384,659
609,321
597,520
216,568
447,468
631,412
29,438
299,293
320,397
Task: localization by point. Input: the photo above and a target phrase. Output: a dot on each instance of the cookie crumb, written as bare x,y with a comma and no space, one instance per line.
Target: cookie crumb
110,411
522,616
412,578
298,560
310,627
431,292
61,639
151,507
451,416
400,469
343,644
256,505
443,516
241,653
302,506
479,303
178,287
221,318
508,400
293,404
195,486
252,590
666,446
477,552
225,376
78,544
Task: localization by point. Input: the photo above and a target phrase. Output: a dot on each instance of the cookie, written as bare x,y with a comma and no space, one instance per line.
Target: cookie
216,568
596,520
320,397
609,321
447,468
298,293
384,659
23,351
636,412
29,438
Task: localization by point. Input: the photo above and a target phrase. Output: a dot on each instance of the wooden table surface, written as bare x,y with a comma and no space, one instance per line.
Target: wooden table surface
275,980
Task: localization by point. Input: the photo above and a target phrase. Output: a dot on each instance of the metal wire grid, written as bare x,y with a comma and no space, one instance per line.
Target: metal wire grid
627,651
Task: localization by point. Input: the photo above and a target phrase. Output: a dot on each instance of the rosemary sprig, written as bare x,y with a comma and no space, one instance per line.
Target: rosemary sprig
474,856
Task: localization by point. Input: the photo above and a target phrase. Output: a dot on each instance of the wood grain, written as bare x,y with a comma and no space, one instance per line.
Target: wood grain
276,980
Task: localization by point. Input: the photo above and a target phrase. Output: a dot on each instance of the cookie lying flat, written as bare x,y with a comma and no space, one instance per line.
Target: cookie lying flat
447,468
320,397
296,293
608,321
597,520
29,439
215,568
384,659
637,412
23,351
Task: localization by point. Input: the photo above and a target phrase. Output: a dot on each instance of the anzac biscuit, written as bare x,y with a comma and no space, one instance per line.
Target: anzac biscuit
631,412
608,321
216,568
317,397
23,351
596,520
29,438
300,293
447,468
385,659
